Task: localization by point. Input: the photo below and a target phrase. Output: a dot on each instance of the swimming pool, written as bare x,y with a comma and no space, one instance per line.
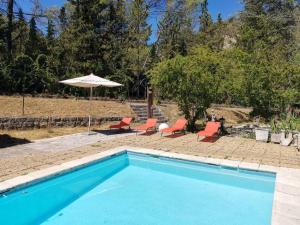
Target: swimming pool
138,189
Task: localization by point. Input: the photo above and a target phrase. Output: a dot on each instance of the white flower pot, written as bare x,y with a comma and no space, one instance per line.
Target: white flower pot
261,134
275,137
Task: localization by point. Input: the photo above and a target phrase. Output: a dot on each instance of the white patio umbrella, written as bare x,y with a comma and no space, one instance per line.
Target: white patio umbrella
91,81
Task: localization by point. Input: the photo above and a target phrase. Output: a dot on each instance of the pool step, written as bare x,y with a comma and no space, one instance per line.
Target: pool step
141,113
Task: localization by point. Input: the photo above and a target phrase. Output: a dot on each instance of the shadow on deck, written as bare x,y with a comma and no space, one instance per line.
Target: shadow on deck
8,141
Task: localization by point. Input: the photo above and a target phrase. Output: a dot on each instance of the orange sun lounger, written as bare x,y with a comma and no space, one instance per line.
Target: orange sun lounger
150,124
211,129
178,126
123,123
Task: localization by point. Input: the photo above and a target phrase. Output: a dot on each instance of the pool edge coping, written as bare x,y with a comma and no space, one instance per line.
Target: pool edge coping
286,201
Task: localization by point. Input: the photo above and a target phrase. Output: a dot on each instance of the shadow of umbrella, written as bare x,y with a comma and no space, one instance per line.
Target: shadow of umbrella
8,141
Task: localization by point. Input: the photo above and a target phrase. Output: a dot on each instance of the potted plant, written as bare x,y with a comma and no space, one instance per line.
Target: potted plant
289,126
276,132
262,134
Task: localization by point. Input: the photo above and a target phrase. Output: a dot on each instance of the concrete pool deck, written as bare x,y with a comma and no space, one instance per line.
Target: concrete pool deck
286,204
23,159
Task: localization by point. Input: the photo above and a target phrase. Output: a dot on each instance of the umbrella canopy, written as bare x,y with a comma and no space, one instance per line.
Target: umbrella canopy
91,81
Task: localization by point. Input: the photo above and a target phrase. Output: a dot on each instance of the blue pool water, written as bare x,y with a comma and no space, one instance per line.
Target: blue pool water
135,189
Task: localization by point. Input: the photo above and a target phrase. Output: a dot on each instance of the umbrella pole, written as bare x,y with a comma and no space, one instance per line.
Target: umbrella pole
91,95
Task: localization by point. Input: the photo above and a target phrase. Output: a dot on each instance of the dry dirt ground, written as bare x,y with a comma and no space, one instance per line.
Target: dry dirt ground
233,115
12,106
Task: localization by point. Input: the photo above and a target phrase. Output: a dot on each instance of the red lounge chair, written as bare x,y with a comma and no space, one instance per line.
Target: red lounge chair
150,124
178,126
124,123
211,129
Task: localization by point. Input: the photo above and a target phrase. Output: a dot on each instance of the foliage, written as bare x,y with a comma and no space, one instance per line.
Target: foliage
139,32
268,36
232,86
175,31
286,122
205,18
251,59
191,81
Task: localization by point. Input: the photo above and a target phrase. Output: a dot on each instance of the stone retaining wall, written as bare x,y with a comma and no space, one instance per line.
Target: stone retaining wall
44,122
242,131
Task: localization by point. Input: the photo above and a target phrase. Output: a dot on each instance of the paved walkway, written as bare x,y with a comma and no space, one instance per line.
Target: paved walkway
62,143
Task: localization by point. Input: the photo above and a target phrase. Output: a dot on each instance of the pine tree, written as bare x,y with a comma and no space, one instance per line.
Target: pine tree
20,33
21,17
165,36
268,36
219,19
184,18
139,33
2,38
175,30
50,31
205,18
9,41
211,33
62,19
31,46
268,25
35,44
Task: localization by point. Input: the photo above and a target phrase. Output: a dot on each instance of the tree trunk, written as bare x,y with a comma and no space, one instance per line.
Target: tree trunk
23,105
191,126
10,8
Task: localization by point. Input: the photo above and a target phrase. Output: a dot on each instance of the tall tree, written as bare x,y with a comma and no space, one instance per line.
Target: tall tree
211,33
50,31
205,17
62,18
219,19
175,30
20,34
2,38
139,33
268,35
10,11
31,46
268,24
35,44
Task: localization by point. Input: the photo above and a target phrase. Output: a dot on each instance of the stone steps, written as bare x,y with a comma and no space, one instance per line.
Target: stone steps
141,113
